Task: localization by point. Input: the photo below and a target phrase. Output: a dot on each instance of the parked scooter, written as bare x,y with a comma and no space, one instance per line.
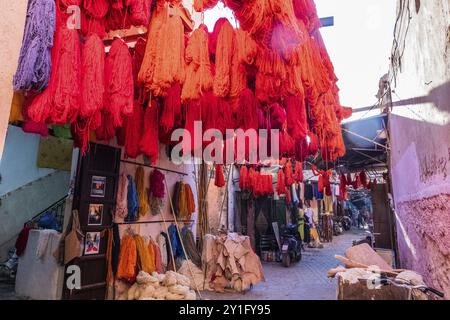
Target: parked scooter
291,245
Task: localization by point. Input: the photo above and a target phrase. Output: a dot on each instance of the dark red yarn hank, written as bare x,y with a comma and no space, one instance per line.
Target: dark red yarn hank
134,126
157,184
149,144
219,180
106,130
171,115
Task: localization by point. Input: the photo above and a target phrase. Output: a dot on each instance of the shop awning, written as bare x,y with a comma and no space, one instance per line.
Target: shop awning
366,143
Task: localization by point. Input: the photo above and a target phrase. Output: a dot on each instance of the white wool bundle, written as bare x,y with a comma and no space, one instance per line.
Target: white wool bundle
145,278
132,291
147,292
160,293
170,280
174,296
158,276
183,280
179,289
191,295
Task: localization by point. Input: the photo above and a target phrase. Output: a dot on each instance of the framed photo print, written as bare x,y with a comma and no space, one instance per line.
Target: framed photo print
95,215
98,187
92,243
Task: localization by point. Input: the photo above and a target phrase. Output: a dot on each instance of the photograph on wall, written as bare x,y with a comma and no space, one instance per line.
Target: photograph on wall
95,214
92,243
98,187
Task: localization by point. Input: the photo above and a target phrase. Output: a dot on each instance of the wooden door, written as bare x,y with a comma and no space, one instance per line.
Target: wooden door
382,217
95,199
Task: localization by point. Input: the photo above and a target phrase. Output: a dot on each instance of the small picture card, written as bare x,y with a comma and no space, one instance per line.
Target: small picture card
95,215
92,243
98,187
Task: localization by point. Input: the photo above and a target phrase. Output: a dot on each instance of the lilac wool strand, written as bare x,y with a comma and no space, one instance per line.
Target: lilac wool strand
34,67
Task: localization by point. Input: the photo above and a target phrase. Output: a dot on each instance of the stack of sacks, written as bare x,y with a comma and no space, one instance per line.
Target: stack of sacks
169,286
231,263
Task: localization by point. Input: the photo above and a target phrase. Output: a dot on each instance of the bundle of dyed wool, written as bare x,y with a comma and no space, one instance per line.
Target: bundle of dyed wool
119,91
202,5
157,184
281,186
170,65
298,172
193,113
142,192
238,77
91,25
139,11
93,17
80,131
246,47
145,255
34,66
247,117
59,102
117,17
289,174
147,70
199,77
136,62
105,131
296,117
243,178
126,269
149,144
121,203
171,115
219,180
224,57
287,144
306,11
92,83
96,8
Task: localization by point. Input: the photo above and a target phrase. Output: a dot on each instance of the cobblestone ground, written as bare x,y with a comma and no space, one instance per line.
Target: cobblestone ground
306,280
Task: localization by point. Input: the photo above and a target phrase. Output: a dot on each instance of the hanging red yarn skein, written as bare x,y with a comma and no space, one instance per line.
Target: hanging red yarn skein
243,178
133,131
119,82
219,180
298,175
149,144
281,186
92,83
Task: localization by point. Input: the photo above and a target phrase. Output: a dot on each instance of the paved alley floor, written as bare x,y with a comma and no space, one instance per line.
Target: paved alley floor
306,280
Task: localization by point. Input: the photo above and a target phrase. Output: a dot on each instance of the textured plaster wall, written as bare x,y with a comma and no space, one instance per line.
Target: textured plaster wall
12,20
420,141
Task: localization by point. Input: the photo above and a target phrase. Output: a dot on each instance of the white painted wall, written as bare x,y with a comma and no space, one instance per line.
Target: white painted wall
18,166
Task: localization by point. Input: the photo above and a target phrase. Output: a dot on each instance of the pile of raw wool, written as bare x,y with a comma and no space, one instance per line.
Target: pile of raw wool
169,286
